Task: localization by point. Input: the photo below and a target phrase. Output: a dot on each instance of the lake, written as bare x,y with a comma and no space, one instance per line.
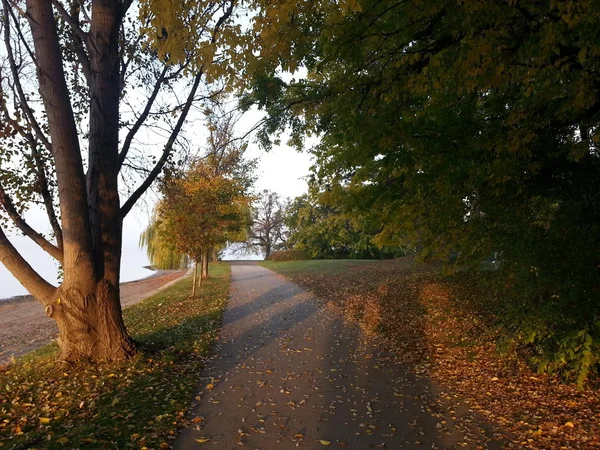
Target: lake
132,265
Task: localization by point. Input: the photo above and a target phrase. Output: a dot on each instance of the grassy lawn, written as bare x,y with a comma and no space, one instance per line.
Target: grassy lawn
136,404
450,329
330,266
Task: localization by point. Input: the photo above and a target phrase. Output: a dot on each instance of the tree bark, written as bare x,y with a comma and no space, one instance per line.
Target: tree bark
86,306
90,324
195,278
205,258
77,242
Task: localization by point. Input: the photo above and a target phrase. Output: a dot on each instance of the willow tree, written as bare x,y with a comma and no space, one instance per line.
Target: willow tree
79,82
161,254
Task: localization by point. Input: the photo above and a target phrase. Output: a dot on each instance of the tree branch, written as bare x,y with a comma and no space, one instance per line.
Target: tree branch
71,21
166,151
82,56
42,181
44,189
140,120
169,145
17,83
22,225
22,271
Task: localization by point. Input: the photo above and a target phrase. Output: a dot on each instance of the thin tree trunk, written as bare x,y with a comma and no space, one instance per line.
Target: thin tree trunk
201,270
195,278
205,258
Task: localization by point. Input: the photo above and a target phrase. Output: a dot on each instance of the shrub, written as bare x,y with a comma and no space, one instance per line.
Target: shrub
288,255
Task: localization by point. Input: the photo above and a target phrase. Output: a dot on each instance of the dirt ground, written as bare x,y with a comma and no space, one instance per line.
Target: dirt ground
25,327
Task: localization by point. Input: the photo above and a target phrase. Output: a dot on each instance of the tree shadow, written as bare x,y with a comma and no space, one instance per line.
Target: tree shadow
288,371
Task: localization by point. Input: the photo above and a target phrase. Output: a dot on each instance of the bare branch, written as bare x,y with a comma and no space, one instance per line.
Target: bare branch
40,170
82,56
22,271
140,120
168,148
22,225
15,73
44,190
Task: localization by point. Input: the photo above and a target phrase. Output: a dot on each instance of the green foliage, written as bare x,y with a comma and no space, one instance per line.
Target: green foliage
288,255
465,128
323,226
576,355
161,253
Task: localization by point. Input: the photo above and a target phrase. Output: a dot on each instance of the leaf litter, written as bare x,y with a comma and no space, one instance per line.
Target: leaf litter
440,327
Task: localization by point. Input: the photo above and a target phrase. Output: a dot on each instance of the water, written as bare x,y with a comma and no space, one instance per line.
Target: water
132,266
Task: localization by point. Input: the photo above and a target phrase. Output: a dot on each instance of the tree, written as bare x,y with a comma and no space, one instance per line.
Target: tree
161,253
205,205
200,210
319,227
267,229
81,56
468,127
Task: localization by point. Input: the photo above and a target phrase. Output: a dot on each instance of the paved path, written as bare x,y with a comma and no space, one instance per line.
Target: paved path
288,373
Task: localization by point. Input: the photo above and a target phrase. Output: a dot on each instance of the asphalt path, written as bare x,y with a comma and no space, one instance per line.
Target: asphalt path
289,372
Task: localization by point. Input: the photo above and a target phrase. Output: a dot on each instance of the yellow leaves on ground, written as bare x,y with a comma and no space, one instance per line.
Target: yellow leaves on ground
203,440
437,325
135,404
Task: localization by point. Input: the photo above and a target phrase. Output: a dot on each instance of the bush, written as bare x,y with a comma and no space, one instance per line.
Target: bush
288,255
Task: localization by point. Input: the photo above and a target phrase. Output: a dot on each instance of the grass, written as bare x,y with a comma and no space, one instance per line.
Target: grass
326,266
135,404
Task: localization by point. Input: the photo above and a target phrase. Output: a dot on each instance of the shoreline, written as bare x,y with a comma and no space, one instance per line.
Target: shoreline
24,325
22,298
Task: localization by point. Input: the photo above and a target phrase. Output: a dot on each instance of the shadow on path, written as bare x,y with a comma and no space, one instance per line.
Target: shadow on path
289,372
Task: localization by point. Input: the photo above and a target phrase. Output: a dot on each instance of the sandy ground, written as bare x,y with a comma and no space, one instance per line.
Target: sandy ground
25,327
288,372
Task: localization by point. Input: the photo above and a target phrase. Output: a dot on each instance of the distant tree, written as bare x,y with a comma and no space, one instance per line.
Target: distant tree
161,254
318,225
206,205
267,230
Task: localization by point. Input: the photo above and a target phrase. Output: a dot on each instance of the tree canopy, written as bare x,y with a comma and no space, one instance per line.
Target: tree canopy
468,128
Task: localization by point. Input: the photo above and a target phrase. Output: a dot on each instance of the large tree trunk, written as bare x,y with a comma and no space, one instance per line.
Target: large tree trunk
86,307
90,324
